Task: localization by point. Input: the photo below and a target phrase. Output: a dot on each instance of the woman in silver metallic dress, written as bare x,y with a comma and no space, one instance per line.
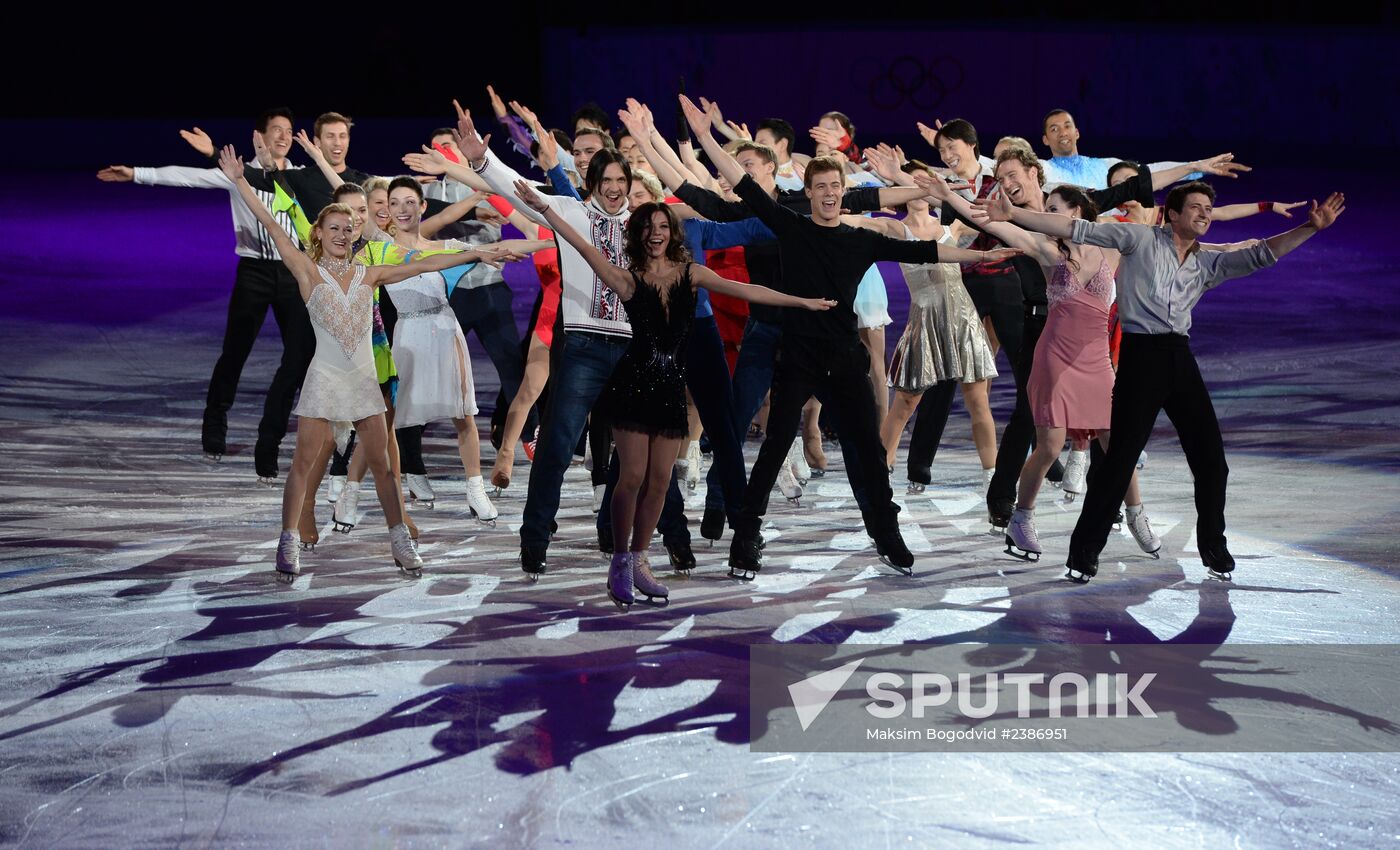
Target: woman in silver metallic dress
943,339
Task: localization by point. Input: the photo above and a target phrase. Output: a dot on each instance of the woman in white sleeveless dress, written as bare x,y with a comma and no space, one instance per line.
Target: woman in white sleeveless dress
341,388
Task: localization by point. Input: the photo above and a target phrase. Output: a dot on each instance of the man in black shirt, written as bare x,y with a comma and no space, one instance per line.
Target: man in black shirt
820,355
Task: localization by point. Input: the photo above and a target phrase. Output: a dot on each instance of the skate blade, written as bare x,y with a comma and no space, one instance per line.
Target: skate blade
342,527
742,574
1021,554
309,546
795,501
409,572
267,482
1070,496
476,516
655,601
907,571
496,491
1219,576
818,473
285,577
1077,577
915,489
213,457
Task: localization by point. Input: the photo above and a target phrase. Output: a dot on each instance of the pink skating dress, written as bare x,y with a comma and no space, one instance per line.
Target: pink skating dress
1071,384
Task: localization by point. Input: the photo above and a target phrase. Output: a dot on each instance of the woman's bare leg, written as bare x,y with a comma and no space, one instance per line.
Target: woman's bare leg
308,530
1048,442
374,442
312,435
893,427
991,332
536,375
469,445
1133,498
632,459
651,499
984,428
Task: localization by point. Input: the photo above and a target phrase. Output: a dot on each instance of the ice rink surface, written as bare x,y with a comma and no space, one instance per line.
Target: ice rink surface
163,690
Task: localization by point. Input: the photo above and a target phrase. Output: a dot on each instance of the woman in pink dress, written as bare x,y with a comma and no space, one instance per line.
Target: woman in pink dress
1071,383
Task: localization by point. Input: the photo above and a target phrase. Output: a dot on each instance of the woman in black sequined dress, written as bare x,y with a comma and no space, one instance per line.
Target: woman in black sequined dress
646,396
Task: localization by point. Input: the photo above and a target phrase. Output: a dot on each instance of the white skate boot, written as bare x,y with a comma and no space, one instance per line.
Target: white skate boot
644,582
787,484
479,503
337,487
1141,530
1075,470
405,555
347,508
798,460
420,489
1021,540
692,466
288,557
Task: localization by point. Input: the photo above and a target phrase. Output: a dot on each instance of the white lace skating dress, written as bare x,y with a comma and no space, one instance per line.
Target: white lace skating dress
430,352
341,383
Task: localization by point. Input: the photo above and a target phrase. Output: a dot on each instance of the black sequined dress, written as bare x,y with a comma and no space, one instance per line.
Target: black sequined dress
647,390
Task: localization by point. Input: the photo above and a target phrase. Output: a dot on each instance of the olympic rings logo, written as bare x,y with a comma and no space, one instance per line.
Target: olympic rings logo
907,80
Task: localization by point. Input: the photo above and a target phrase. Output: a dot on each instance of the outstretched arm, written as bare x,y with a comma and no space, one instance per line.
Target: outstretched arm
319,159
754,293
454,212
296,262
614,277
1319,219
1230,212
728,166
1221,165
998,225
387,275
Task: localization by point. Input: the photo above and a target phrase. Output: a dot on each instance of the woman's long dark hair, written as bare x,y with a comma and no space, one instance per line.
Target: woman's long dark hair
634,239
1075,198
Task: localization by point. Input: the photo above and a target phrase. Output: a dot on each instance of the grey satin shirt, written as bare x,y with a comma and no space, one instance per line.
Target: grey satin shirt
1155,292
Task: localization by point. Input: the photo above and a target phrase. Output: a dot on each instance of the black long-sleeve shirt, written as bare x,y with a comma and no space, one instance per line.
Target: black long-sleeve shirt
825,262
762,258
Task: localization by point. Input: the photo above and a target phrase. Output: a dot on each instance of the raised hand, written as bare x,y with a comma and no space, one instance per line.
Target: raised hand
817,304
526,115
530,198
741,130
712,109
497,106
309,146
698,119
1322,217
260,151
1223,165
231,164
632,120
430,161
828,138
935,186
930,134
117,174
882,158
199,140
994,208
1285,210
472,145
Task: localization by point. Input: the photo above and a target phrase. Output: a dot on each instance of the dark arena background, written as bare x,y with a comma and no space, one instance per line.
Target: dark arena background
162,689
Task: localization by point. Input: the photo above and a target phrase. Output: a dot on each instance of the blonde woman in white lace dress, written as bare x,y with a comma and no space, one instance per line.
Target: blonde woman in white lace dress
341,388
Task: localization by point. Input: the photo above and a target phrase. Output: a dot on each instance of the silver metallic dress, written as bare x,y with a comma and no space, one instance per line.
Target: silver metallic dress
944,339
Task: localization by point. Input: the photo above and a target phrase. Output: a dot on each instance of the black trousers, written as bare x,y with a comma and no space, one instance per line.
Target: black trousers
1155,373
1019,434
999,298
486,311
258,285
837,372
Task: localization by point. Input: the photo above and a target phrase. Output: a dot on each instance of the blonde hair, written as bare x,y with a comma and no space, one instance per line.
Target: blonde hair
1016,142
314,250
652,183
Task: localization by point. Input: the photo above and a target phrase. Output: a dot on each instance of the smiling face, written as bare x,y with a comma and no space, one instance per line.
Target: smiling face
406,209
379,208
639,194
611,191
334,142
958,155
657,235
1019,182
758,167
334,233
278,136
360,206
825,187
585,146
1061,134
1194,219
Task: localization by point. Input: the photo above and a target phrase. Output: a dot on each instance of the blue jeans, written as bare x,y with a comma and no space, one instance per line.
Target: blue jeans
582,364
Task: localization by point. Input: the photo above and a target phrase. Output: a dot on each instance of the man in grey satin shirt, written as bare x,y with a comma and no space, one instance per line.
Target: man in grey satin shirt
1163,272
